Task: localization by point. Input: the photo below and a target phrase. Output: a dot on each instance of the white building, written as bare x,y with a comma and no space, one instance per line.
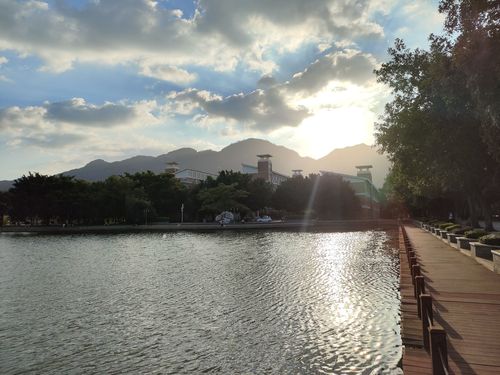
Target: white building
192,176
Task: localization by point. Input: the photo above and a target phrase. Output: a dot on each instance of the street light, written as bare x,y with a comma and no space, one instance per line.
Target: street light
182,213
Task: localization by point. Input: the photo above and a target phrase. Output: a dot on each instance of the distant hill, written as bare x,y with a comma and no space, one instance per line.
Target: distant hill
231,157
5,185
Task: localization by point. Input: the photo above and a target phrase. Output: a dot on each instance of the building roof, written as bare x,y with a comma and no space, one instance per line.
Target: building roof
256,169
194,170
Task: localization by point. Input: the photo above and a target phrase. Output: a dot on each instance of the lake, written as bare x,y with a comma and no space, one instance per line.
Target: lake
255,302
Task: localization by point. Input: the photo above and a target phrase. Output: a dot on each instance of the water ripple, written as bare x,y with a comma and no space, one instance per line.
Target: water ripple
227,303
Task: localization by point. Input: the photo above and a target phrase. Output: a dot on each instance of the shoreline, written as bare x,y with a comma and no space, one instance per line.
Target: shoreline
335,225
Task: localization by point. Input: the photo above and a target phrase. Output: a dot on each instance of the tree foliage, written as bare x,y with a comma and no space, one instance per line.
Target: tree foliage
144,197
441,128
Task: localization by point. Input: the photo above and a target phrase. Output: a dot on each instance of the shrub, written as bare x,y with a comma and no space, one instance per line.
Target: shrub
475,233
491,239
449,228
444,225
461,230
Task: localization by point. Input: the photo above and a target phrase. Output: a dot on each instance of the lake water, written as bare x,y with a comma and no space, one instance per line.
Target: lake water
227,302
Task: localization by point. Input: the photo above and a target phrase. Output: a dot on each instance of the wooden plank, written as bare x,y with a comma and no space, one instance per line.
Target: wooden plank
466,301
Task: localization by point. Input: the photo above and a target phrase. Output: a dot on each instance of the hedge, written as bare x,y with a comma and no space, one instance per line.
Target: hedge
461,230
444,225
491,239
475,233
449,228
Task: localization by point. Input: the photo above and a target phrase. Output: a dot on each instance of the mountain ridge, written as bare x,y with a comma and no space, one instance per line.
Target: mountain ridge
341,160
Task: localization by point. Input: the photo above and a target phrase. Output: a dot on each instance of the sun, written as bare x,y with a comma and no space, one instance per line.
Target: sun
329,129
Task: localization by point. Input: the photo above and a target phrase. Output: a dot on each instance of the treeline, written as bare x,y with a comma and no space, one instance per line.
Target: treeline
442,128
148,197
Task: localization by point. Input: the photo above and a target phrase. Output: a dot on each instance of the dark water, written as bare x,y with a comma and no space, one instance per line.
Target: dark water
229,303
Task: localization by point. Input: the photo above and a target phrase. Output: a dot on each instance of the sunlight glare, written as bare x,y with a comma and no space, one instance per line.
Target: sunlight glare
335,128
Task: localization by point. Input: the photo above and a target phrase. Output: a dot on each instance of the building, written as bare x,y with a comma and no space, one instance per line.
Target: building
264,170
191,176
364,189
187,176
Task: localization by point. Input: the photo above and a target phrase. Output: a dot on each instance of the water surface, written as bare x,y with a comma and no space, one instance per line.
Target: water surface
228,302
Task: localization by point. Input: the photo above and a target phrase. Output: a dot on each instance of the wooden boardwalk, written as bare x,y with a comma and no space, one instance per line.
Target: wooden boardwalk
466,303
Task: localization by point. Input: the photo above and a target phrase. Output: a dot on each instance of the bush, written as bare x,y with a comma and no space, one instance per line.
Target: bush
445,225
491,239
449,228
475,233
461,230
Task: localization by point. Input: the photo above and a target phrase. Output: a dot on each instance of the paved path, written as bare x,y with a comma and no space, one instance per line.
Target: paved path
466,299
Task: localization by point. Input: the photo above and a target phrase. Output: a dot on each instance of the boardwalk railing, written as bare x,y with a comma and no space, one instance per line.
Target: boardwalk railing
434,336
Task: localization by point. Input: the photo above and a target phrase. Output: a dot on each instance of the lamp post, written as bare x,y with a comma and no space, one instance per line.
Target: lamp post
182,213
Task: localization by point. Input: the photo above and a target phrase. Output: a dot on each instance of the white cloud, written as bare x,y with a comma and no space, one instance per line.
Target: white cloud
260,109
61,124
168,73
348,65
3,60
222,33
274,105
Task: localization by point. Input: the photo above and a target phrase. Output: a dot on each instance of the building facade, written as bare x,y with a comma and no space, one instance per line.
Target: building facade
192,176
364,189
264,170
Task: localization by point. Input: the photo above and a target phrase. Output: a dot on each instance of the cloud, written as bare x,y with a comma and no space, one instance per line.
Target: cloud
168,73
259,109
266,82
77,111
48,140
348,66
273,105
63,123
221,34
3,60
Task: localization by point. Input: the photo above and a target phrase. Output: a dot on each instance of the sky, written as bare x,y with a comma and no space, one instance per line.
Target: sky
110,79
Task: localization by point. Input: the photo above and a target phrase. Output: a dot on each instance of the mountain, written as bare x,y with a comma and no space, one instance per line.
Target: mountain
5,185
231,157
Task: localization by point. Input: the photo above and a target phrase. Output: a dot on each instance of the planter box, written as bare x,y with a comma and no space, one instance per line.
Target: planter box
496,260
481,250
452,238
464,243
444,235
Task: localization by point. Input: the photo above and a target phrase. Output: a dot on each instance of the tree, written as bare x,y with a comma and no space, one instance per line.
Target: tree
260,193
334,198
429,130
165,192
5,205
473,31
222,198
293,195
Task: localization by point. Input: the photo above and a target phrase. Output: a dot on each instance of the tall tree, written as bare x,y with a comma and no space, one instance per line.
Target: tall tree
473,28
429,129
